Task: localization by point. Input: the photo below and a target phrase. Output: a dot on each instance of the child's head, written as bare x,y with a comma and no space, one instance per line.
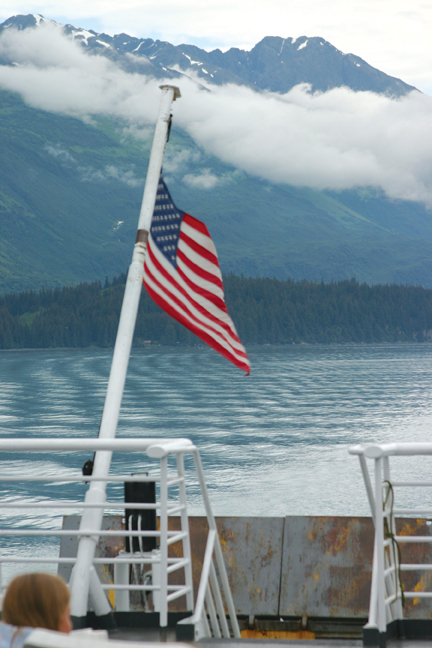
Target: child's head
38,601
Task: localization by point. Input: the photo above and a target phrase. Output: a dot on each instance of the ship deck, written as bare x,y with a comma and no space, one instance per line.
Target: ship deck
153,636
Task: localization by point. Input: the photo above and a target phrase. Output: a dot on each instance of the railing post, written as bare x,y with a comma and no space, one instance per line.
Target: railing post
217,548
373,603
163,614
219,602
379,545
185,528
395,609
121,577
368,485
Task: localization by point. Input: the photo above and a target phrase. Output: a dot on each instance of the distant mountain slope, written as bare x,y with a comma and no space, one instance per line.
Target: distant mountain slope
58,218
70,191
276,64
70,195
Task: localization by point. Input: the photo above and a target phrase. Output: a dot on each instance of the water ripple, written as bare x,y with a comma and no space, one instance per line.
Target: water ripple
274,443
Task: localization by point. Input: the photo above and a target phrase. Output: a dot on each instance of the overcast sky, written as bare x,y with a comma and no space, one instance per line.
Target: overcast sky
392,35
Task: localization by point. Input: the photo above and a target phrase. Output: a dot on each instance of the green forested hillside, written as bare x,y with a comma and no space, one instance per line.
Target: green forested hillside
70,195
265,311
57,217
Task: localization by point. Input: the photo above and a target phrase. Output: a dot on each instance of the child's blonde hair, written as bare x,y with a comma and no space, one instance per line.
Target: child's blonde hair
36,600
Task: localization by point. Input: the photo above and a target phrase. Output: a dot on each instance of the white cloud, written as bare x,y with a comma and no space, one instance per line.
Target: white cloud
177,160
54,73
336,140
138,132
204,180
88,174
59,152
128,177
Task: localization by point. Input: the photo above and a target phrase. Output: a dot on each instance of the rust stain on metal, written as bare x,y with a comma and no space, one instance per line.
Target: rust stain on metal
419,587
294,566
142,236
416,553
410,527
326,566
337,539
276,634
252,550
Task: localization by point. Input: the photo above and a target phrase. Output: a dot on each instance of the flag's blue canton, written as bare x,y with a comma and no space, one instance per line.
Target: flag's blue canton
166,222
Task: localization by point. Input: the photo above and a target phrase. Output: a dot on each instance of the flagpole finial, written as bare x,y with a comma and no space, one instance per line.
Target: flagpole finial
177,93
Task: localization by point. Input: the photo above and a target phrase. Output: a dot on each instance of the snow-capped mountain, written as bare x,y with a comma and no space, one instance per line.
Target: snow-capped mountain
72,166
275,64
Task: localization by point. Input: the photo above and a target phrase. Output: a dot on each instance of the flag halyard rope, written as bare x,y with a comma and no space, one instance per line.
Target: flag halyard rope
389,535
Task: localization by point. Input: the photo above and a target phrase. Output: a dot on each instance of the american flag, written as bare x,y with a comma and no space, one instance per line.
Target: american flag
182,275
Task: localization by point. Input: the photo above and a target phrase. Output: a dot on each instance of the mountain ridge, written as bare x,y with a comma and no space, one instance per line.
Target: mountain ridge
275,64
70,195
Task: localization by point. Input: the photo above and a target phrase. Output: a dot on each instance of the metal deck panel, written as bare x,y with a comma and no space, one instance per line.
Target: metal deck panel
326,567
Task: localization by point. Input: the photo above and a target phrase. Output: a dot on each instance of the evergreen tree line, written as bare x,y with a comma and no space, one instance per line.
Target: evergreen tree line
265,311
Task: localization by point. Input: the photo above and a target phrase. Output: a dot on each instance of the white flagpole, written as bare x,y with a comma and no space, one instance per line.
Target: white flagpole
91,520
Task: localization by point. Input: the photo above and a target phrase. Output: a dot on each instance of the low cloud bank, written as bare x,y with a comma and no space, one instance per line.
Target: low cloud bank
334,140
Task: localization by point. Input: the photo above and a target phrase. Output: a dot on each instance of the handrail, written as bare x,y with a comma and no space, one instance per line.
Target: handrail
210,590
39,638
214,582
205,574
217,547
79,477
387,592
93,445
392,450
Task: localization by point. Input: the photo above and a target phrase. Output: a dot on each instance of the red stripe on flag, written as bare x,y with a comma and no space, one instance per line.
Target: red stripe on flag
217,301
199,249
196,224
188,299
194,322
198,332
204,274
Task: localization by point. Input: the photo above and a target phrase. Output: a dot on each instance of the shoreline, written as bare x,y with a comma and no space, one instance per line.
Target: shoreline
157,345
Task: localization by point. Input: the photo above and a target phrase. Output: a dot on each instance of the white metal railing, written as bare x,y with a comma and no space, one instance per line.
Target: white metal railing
387,591
209,616
83,639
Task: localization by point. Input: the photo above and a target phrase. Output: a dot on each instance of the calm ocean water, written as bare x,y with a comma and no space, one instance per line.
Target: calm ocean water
275,443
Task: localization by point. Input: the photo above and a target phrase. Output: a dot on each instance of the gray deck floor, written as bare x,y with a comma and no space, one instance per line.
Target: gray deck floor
152,635
303,643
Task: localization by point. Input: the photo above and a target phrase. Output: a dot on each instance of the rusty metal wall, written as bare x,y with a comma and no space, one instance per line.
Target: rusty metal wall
252,549
417,581
107,548
326,566
293,566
